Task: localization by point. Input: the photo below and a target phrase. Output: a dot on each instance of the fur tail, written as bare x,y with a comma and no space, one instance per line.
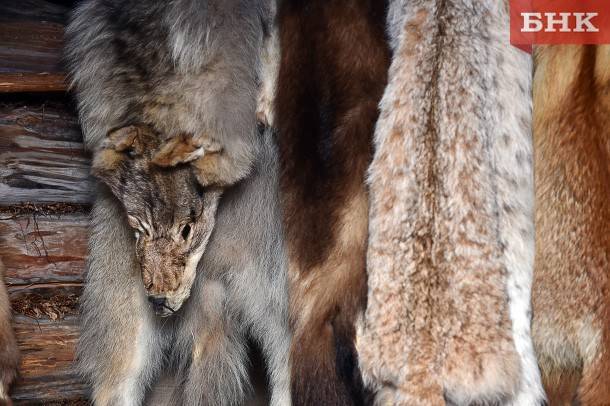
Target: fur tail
325,365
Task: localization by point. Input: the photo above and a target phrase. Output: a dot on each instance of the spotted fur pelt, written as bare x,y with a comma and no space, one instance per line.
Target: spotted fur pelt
451,243
571,300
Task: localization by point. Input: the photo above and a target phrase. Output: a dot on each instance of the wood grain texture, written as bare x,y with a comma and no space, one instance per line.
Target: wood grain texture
44,249
32,82
44,256
42,159
46,371
31,41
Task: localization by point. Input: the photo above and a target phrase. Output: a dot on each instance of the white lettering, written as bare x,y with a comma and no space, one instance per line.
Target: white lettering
584,19
551,22
530,24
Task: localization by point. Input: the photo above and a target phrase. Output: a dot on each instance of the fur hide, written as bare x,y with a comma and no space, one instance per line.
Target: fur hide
239,293
571,293
181,66
451,243
334,61
9,354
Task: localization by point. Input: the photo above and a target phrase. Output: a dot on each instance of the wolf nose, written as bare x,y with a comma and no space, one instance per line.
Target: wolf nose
157,301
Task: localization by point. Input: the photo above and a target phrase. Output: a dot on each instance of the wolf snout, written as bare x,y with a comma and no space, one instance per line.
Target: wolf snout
157,300
159,303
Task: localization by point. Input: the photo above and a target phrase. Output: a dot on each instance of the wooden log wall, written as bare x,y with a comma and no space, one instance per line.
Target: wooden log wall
31,33
45,192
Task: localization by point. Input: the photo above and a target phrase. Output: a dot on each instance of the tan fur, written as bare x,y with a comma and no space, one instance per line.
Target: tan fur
450,253
177,150
571,297
316,310
110,156
9,353
312,293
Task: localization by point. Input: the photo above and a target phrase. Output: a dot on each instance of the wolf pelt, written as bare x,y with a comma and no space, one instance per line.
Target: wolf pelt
180,66
333,63
9,353
451,232
571,292
240,291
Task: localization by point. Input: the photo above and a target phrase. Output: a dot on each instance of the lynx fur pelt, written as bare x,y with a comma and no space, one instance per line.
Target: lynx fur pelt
451,243
571,300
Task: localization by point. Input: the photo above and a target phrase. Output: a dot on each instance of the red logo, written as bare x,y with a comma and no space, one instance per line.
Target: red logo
559,22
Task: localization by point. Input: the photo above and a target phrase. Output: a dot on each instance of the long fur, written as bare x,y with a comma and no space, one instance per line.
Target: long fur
9,353
334,60
451,243
240,291
571,293
180,66
183,66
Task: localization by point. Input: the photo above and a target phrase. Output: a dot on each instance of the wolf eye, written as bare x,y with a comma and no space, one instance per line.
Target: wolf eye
186,230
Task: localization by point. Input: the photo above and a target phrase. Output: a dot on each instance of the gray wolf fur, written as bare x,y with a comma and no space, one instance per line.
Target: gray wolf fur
170,212
239,291
188,70
181,66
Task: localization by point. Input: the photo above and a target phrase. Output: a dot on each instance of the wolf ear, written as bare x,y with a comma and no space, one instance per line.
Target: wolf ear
123,143
177,150
107,167
118,146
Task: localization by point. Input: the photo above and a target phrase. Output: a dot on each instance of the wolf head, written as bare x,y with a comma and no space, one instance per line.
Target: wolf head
171,214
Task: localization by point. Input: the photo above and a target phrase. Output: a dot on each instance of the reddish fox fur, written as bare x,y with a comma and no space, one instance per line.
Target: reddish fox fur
571,296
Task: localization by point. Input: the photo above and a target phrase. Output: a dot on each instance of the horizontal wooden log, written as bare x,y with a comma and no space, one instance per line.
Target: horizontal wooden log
42,158
46,328
35,10
47,372
32,82
31,43
43,249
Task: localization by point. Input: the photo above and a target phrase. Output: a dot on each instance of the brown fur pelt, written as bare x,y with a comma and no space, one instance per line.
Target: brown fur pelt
571,294
9,354
450,256
334,61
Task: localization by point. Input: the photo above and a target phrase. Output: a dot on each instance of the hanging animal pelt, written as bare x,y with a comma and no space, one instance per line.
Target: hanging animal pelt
182,67
451,244
154,81
9,353
334,60
571,293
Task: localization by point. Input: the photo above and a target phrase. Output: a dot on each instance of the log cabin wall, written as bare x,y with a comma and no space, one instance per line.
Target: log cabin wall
45,193
45,197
